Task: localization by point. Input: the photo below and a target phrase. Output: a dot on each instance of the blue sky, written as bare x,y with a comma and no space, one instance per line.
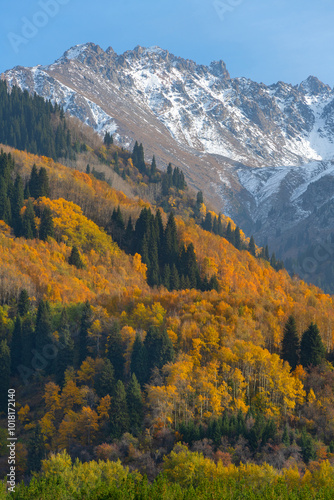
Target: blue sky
266,40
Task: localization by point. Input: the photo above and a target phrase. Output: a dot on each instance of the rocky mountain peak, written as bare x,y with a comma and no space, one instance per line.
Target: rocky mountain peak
313,86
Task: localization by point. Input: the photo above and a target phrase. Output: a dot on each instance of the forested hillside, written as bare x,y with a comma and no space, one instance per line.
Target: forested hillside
155,334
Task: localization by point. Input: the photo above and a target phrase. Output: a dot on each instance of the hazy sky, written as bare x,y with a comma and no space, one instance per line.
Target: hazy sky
266,40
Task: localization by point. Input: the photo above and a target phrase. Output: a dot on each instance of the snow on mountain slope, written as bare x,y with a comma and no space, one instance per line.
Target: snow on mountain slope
262,154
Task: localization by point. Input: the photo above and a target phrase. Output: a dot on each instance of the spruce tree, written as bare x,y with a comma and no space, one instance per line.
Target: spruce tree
17,204
65,355
119,416
46,228
153,167
312,350
16,346
75,258
290,343
115,350
139,361
105,383
237,238
251,246
29,230
43,183
23,303
34,182
43,326
36,450
135,405
85,324
5,368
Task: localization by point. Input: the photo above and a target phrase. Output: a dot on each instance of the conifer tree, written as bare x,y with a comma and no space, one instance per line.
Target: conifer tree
135,405
65,355
16,345
43,183
75,258
290,343
171,246
43,326
23,303
115,350
46,228
139,361
29,230
105,383
36,450
86,321
312,350
237,238
119,416
17,204
34,182
153,167
251,246
5,368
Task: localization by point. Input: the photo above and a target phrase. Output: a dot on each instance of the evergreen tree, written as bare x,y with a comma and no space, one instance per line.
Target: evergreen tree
43,183
307,446
43,326
75,258
119,416
86,322
34,182
108,139
106,380
237,238
251,246
17,204
139,361
16,346
65,355
115,350
159,348
230,235
207,224
23,303
36,450
171,246
153,167
5,366
290,343
135,405
29,230
312,350
46,228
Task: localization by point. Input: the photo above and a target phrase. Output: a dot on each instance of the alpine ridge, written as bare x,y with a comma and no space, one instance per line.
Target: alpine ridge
254,150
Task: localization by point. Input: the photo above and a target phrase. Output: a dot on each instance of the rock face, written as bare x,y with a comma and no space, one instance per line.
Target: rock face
262,154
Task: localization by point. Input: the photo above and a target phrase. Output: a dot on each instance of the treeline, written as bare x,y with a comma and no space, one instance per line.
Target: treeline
169,262
30,123
13,195
214,224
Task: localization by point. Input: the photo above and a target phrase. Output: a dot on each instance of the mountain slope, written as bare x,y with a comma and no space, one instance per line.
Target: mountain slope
219,130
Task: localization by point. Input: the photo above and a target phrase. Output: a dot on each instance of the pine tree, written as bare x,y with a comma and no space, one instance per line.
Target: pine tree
29,230
17,204
105,383
86,322
36,450
237,238
34,182
16,345
46,228
115,350
65,355
290,343
312,350
135,405
153,167
43,326
23,303
171,246
5,368
75,258
43,183
251,246
139,361
119,416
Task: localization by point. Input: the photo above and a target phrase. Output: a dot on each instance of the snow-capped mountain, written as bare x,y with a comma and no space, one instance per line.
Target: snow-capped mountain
254,150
